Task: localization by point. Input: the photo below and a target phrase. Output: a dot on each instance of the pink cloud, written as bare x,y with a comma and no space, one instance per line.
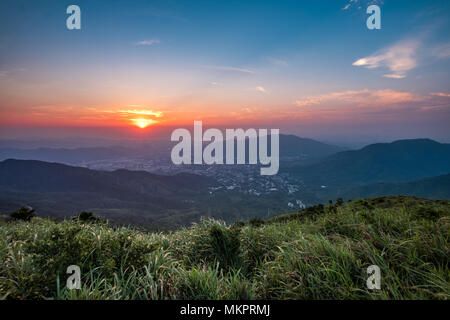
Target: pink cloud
362,98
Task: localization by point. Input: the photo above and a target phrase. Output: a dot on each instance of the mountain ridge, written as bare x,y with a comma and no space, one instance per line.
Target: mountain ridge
398,161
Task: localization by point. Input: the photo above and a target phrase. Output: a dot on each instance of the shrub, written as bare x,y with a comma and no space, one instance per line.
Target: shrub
24,213
226,247
256,222
427,213
86,216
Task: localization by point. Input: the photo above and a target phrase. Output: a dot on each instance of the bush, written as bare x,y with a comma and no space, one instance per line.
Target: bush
256,222
86,216
226,247
427,213
24,213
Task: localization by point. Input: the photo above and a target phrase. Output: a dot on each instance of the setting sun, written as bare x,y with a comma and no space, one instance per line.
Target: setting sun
143,123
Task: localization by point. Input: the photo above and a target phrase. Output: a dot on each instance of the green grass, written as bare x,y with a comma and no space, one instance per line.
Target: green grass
319,253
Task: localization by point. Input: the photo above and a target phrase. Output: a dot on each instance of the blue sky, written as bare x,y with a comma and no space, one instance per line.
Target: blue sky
300,65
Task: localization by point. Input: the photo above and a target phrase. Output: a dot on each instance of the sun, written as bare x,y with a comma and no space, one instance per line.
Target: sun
143,123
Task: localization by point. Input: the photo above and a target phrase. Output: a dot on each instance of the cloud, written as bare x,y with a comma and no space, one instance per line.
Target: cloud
156,114
399,59
277,62
346,6
363,4
363,98
308,101
394,76
231,69
146,42
441,51
261,89
440,94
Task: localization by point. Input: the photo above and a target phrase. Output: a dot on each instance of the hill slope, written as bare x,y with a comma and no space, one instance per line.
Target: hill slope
431,188
293,146
290,147
318,253
39,176
399,161
132,196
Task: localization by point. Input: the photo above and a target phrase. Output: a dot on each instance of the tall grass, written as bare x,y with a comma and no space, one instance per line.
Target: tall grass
320,253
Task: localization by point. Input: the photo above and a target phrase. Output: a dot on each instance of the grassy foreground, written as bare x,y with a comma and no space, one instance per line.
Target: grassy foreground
318,253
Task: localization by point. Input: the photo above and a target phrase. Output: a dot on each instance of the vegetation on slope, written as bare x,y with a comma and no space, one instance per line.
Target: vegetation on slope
319,253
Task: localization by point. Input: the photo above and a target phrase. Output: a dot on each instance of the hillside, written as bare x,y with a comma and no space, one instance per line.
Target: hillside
294,146
290,147
39,176
399,161
431,188
65,155
319,253
131,196
138,197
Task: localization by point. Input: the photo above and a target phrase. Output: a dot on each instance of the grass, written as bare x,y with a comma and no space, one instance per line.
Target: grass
319,253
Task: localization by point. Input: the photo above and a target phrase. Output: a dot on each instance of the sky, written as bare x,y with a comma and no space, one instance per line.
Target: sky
310,68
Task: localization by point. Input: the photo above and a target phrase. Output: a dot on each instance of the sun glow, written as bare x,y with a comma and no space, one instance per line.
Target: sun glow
143,123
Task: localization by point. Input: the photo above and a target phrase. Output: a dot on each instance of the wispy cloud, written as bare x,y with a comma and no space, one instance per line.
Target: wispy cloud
156,114
440,94
10,72
309,101
261,89
277,62
394,76
441,51
230,69
147,42
349,4
362,4
363,97
398,59
346,6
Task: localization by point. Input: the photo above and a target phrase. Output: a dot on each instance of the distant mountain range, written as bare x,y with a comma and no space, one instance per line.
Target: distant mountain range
431,188
418,167
64,155
399,161
39,176
291,148
57,189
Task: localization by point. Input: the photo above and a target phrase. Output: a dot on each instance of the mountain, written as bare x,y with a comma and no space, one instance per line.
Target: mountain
39,176
431,188
293,146
65,155
53,188
140,197
399,161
